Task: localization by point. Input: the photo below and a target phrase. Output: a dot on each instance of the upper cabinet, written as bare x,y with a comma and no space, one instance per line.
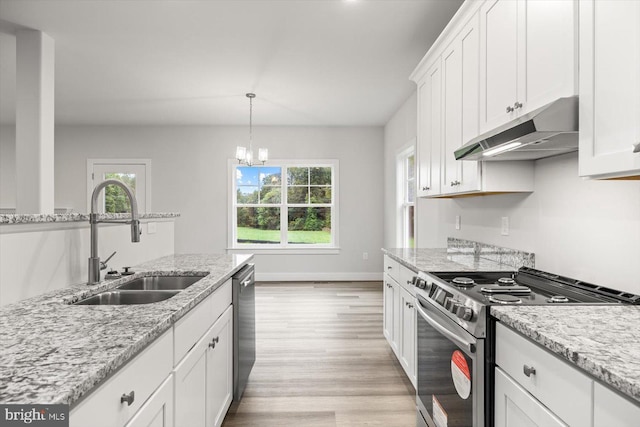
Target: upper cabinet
610,89
527,57
429,130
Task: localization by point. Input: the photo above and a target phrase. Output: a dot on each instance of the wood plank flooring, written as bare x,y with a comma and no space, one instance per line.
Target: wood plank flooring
322,361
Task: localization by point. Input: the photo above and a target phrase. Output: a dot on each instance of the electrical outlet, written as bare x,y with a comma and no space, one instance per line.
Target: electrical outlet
152,228
457,222
505,226
365,255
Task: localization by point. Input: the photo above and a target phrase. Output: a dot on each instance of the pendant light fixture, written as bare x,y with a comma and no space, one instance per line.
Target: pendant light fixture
243,155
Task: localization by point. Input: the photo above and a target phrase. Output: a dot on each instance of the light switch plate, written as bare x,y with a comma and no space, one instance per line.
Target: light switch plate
152,228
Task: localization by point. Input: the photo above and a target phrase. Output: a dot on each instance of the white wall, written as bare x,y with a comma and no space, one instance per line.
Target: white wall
7,166
399,133
189,175
585,229
37,258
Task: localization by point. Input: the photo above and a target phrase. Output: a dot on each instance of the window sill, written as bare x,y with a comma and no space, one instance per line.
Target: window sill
285,251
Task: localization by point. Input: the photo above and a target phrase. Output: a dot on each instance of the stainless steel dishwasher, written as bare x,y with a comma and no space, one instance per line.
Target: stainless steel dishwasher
244,328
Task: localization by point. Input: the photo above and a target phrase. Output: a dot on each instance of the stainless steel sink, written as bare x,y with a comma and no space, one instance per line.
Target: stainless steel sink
127,297
161,283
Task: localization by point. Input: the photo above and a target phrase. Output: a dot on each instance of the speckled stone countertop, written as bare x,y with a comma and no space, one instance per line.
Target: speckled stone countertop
76,217
53,352
602,340
443,259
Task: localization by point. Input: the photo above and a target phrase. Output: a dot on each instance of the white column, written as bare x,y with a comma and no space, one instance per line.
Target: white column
34,122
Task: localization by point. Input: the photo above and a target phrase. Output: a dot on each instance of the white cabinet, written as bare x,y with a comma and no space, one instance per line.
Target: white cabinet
611,409
203,379
460,90
407,351
515,407
450,97
545,376
428,147
609,88
158,410
391,319
527,57
399,314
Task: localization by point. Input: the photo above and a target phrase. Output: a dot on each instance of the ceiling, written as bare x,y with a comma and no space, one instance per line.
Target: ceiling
188,62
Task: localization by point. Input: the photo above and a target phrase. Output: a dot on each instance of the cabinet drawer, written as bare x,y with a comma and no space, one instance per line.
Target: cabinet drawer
552,381
142,375
406,279
392,268
194,324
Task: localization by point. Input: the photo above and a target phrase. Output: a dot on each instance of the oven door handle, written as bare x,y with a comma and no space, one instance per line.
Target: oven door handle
444,331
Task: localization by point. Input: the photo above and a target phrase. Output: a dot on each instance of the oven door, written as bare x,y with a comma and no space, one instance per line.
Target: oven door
450,371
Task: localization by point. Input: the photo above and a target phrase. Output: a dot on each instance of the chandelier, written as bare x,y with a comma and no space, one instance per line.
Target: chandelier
243,155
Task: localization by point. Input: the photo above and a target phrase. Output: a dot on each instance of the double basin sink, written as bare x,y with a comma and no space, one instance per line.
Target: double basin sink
143,290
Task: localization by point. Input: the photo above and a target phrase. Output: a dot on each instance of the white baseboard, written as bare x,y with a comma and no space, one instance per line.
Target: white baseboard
318,277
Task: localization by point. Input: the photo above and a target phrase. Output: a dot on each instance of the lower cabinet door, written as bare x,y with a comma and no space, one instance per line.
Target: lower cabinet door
407,344
219,376
190,386
158,410
515,407
611,409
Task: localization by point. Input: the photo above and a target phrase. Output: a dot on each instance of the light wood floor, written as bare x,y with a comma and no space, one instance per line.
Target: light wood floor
322,360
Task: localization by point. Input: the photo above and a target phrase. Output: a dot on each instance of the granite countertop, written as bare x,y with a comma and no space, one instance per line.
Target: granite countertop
601,340
448,259
76,217
52,352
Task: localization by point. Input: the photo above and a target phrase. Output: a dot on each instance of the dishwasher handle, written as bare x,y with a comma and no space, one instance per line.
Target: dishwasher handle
469,346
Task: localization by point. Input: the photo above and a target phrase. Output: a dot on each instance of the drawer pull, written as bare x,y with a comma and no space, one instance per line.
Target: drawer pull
213,342
128,398
389,267
528,370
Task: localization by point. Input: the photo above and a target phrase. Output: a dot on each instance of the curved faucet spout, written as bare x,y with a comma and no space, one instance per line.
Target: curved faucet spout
94,260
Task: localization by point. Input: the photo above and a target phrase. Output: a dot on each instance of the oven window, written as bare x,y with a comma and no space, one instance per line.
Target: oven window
444,379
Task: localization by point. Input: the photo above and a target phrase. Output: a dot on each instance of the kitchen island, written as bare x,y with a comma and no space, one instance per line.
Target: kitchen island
54,352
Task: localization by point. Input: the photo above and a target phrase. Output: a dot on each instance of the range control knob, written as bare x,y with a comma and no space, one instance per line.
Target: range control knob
421,283
465,313
455,306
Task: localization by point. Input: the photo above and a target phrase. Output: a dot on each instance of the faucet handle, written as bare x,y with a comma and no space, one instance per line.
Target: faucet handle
103,264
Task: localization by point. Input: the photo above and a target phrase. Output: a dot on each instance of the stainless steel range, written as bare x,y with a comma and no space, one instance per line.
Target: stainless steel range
455,335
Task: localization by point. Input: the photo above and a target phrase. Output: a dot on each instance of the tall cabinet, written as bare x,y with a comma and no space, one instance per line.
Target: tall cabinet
610,89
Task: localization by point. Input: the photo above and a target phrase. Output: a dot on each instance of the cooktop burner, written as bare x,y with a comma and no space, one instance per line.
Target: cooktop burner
463,281
506,281
558,298
505,299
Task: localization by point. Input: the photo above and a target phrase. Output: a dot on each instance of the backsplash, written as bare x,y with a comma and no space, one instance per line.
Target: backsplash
511,257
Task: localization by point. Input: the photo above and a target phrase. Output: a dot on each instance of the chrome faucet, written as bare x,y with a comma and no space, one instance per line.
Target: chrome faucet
94,260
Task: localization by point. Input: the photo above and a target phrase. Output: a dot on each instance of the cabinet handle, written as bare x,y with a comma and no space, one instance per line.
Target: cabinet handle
636,148
409,305
213,342
409,282
528,370
517,105
426,188
389,267
128,398
509,109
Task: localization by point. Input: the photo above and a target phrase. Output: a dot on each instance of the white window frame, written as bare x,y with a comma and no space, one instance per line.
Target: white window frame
402,202
142,193
283,247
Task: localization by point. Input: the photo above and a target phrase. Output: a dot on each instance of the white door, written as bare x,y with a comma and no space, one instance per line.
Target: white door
190,387
158,409
219,369
609,87
429,132
546,52
498,62
133,173
515,407
460,70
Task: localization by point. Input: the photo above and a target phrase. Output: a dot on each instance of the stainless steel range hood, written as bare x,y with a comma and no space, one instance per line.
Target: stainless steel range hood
545,132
